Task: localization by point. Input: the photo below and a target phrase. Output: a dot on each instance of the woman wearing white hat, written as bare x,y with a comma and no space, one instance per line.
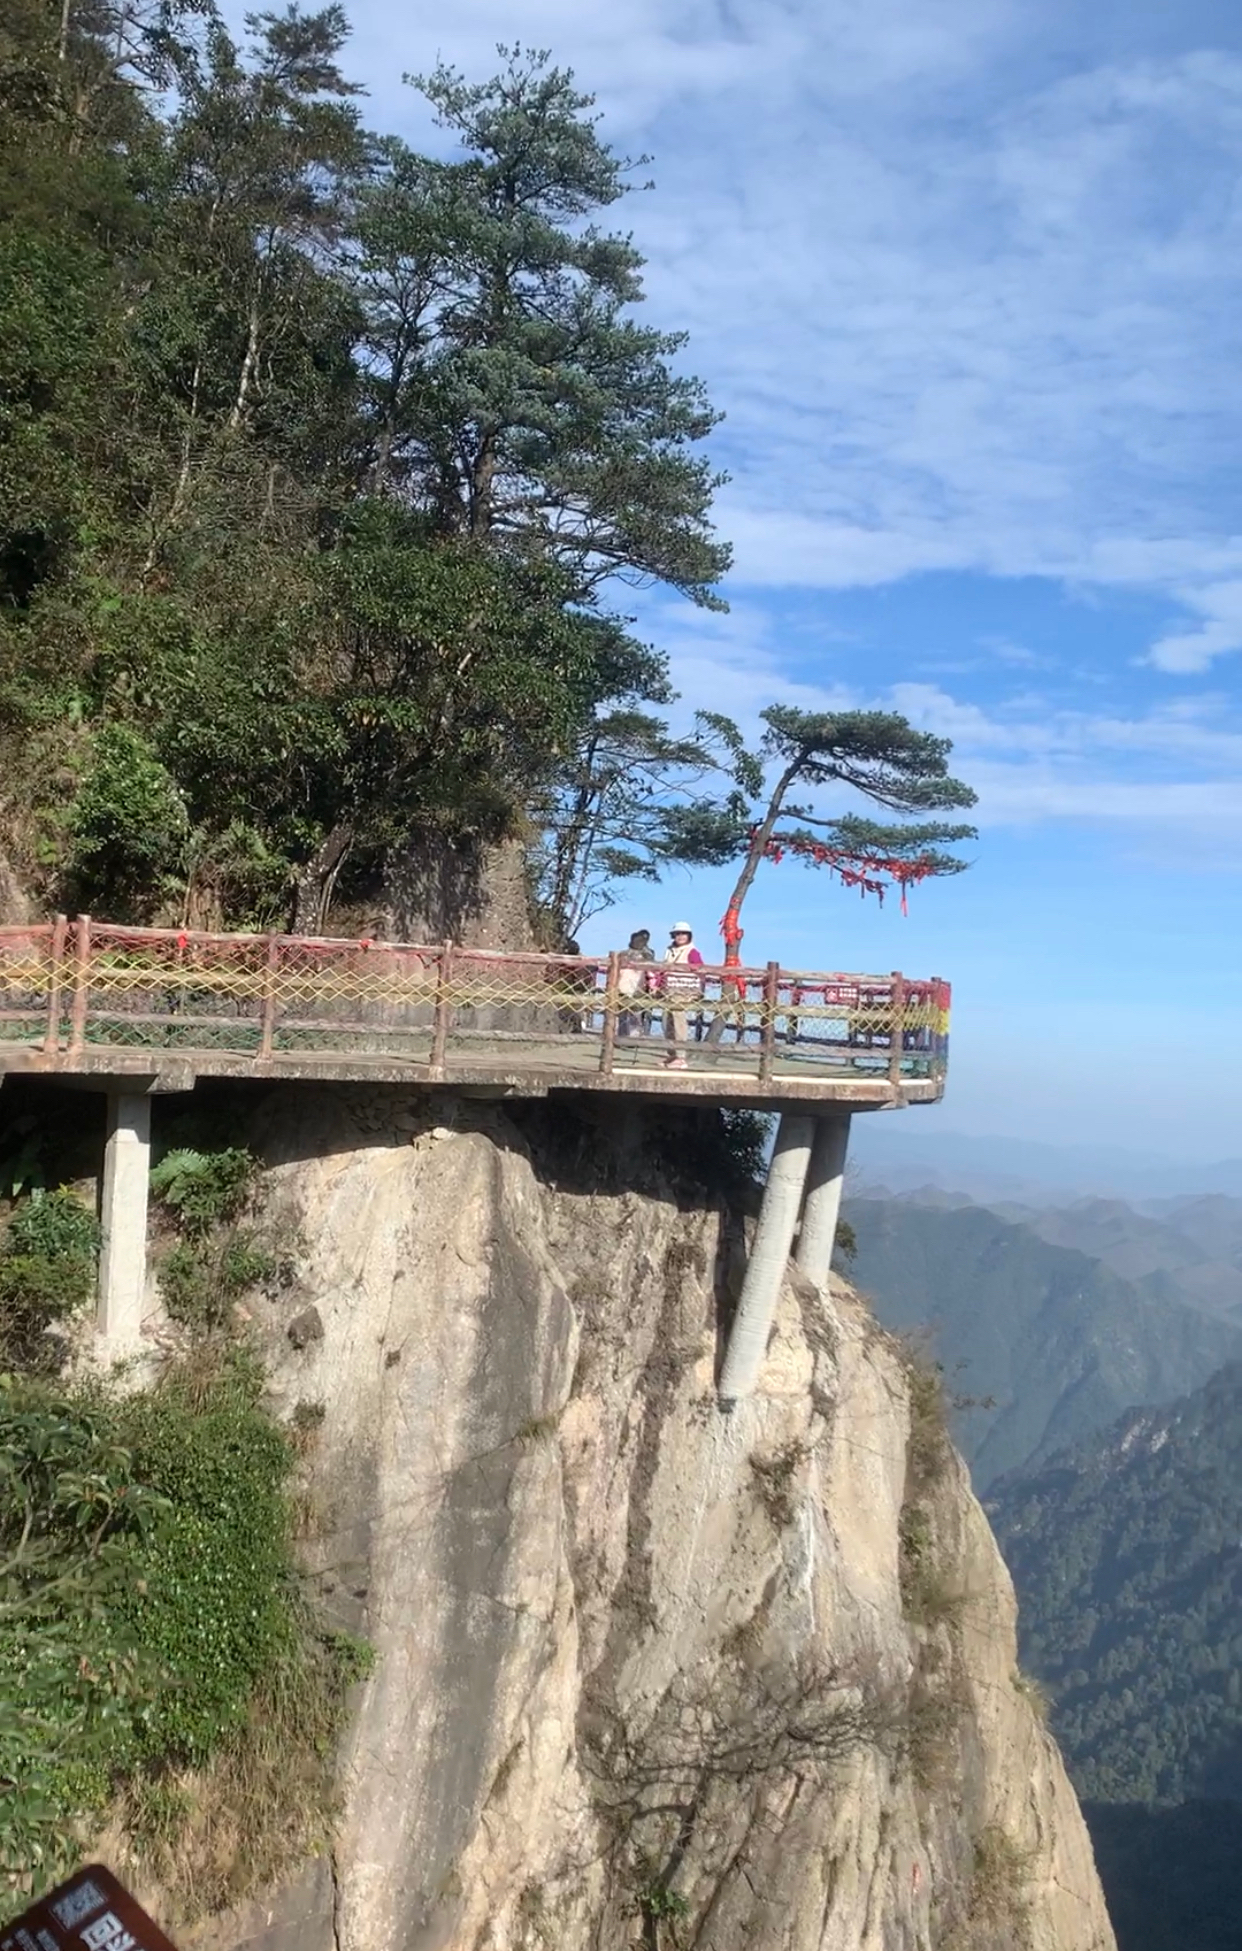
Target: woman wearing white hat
679,987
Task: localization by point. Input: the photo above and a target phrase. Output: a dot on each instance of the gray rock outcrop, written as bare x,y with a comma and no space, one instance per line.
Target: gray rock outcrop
646,1674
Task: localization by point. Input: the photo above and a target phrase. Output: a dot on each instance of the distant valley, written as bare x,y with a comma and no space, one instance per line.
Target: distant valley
1126,1553
1029,1309
1108,1334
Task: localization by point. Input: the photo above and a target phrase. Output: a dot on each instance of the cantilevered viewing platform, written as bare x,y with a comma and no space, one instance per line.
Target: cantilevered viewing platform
134,1012
154,1010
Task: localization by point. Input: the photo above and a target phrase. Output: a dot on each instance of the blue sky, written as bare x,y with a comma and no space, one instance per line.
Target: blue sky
964,276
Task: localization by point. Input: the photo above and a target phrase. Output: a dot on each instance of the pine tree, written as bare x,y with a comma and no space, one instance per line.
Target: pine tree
513,395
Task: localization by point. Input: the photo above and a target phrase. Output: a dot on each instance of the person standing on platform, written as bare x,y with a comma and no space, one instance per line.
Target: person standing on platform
632,981
679,988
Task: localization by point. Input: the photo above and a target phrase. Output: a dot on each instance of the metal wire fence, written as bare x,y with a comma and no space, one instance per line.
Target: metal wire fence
67,987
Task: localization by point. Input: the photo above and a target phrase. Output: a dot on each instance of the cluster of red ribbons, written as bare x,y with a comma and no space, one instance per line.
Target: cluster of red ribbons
869,873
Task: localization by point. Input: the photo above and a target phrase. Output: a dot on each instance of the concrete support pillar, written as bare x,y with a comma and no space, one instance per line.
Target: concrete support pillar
769,1257
123,1218
823,1197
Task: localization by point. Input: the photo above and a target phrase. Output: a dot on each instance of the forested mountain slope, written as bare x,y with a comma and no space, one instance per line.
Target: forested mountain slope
1058,1341
1126,1553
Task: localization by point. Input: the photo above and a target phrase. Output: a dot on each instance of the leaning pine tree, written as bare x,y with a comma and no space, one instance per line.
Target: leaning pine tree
876,753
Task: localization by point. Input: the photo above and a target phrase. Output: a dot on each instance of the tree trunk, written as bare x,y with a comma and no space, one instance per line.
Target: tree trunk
316,881
247,369
482,477
758,846
14,906
754,854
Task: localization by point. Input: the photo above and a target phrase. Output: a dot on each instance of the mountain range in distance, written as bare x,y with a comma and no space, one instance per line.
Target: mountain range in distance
1187,1249
1047,1341
1069,1283
906,1152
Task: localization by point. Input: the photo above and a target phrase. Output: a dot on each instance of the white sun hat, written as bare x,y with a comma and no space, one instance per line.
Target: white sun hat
681,928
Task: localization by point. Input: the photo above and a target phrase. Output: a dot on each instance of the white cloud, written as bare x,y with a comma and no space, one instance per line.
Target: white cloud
959,318
1190,651
970,301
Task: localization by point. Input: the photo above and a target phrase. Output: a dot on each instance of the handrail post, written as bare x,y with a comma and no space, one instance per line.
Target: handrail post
767,1033
940,1031
267,1027
896,1035
444,1010
608,1042
81,985
51,1038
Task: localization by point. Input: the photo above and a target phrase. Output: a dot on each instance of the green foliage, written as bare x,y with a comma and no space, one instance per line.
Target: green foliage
36,1289
55,1225
315,457
215,1261
190,1295
320,463
245,1263
875,753
997,1899
627,801
927,1448
743,1139
930,1595
200,1282
47,1268
128,825
657,1902
204,1189
150,1620
511,386
209,1603
721,1152
74,1678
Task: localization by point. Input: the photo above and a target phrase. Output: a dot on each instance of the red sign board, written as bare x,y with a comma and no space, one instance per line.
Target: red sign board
91,1912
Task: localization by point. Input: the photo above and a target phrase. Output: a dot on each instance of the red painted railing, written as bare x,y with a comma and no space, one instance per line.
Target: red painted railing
72,986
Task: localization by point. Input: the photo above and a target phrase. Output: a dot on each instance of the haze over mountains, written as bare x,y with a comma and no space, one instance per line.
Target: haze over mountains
1059,1340
905,1153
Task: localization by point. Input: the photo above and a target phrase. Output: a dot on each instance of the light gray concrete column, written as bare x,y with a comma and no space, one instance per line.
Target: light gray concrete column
769,1257
123,1218
823,1197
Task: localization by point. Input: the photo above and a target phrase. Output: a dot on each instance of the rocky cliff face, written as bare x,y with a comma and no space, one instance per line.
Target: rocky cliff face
646,1674
14,906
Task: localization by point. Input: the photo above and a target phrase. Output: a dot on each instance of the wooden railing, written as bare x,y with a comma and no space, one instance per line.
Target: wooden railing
69,987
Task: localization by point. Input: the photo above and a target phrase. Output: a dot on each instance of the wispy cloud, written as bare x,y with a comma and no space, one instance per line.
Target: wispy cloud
1175,768
971,300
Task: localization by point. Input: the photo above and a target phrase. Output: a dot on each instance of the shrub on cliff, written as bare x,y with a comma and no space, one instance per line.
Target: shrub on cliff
149,1602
